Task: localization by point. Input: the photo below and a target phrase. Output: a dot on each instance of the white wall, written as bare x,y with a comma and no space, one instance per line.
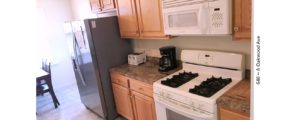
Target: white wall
222,43
51,16
52,40
81,9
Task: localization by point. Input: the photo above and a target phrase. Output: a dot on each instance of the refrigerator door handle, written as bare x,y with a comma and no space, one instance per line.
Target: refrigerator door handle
75,62
83,36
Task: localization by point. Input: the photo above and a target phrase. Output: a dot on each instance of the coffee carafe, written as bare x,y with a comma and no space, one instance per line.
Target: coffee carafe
168,58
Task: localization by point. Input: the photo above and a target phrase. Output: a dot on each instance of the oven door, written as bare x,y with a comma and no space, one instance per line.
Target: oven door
166,111
186,21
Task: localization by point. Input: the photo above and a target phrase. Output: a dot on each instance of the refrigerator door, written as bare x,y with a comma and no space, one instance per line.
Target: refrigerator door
85,72
109,50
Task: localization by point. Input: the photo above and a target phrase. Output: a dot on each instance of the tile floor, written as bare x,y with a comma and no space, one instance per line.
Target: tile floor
70,107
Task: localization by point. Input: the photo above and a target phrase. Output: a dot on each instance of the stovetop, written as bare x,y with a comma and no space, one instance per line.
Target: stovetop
198,85
210,86
179,79
207,87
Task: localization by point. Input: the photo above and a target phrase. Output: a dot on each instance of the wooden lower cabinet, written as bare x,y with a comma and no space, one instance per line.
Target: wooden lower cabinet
225,114
123,101
133,98
144,108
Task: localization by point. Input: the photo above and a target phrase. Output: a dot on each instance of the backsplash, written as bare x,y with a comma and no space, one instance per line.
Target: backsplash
219,43
149,52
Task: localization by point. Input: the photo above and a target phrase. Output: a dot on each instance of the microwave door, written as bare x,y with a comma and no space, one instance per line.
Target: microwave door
203,18
183,22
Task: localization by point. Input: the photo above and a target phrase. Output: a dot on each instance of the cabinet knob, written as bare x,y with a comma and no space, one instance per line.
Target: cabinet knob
236,29
140,88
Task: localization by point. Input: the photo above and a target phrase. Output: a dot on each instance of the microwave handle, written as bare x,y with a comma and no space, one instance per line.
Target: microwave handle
203,19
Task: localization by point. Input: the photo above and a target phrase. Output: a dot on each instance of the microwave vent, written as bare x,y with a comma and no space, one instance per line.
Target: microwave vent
217,19
179,3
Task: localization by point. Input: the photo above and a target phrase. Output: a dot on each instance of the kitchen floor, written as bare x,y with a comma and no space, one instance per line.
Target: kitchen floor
70,107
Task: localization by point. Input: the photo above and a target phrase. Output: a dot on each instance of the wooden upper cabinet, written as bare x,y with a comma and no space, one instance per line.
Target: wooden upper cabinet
99,6
242,19
95,5
140,18
150,18
144,108
127,18
108,4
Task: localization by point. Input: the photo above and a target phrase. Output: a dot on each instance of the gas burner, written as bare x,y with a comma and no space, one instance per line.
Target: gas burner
210,86
180,79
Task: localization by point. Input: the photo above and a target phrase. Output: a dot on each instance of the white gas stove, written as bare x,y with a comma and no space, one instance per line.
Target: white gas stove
191,93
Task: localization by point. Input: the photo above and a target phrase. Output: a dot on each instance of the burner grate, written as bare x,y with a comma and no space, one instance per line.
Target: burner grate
180,79
210,86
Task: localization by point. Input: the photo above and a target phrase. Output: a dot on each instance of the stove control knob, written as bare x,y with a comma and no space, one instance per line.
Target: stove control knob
167,95
194,109
192,104
161,93
200,106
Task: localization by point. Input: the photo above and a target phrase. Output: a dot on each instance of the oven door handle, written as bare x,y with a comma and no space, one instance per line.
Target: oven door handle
175,108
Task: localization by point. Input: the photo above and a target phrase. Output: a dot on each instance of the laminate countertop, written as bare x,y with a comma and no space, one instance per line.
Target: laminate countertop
237,98
146,72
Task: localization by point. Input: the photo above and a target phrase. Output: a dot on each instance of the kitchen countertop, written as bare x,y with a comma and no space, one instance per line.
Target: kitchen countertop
237,98
146,72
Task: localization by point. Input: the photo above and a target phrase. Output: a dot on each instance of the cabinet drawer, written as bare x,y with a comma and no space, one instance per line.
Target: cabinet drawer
226,114
141,87
120,79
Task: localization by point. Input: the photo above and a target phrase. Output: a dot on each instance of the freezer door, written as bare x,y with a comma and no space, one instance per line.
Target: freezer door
86,74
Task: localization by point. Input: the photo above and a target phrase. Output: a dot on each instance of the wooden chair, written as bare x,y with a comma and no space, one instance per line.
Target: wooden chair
44,84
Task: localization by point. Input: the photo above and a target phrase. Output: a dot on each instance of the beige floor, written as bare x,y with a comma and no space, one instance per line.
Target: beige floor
70,107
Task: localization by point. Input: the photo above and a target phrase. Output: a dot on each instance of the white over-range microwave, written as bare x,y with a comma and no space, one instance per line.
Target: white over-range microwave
197,17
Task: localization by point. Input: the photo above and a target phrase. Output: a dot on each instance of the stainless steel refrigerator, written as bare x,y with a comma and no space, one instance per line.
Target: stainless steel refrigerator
96,47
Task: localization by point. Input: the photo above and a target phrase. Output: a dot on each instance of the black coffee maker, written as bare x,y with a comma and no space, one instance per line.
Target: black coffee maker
168,58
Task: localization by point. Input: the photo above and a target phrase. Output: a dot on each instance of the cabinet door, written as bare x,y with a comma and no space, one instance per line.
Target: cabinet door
150,18
123,101
127,18
230,115
242,19
108,4
95,5
144,108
